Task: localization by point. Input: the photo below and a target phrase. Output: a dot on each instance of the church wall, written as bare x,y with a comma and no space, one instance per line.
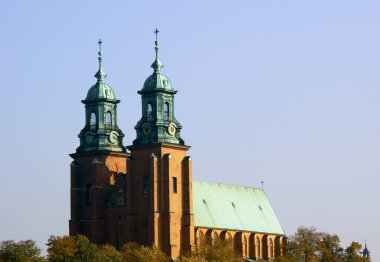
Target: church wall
241,241
90,189
159,214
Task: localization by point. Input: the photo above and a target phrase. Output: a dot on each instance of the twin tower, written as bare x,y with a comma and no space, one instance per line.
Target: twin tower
144,195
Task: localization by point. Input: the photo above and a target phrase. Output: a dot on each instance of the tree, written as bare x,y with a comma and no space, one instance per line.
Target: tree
309,245
220,251
303,245
79,249
353,254
329,248
108,253
60,249
22,251
134,252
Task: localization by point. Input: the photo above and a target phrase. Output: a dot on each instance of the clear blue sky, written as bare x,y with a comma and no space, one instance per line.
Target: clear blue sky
284,91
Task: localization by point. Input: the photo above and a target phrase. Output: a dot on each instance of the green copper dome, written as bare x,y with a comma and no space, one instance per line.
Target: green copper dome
100,90
157,81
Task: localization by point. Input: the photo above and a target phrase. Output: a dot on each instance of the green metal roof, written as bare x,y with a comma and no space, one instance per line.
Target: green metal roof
100,90
233,207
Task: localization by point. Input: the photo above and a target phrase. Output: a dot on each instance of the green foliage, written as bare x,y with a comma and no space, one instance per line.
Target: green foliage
60,248
108,253
353,253
22,251
134,252
220,251
311,246
306,245
79,249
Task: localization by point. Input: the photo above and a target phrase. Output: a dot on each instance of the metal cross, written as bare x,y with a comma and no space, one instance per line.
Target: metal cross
262,184
100,44
156,32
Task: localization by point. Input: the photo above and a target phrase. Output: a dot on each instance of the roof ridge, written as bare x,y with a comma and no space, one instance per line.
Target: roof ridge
228,184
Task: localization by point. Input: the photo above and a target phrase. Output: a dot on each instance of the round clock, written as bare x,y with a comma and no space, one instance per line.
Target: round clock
146,129
113,137
171,129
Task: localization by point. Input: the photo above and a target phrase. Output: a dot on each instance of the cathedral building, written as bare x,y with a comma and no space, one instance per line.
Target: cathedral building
144,192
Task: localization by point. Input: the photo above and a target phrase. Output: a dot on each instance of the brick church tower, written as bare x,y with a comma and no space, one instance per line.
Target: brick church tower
161,173
144,196
98,168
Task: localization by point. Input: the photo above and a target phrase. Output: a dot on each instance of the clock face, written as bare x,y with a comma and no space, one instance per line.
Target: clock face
146,129
172,129
113,138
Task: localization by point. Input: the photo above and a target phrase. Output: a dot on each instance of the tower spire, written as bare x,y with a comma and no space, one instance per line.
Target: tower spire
100,75
366,252
156,64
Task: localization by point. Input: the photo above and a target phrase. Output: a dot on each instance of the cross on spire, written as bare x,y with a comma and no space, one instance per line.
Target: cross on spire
100,75
262,184
100,53
156,64
100,45
156,32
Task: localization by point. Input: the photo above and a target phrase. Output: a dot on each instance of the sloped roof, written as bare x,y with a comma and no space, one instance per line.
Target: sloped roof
234,207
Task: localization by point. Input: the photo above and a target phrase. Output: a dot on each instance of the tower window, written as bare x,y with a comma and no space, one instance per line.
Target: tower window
88,195
108,120
150,112
166,111
93,121
174,185
146,187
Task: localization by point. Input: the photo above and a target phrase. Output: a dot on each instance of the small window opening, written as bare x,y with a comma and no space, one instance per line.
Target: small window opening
108,120
93,121
146,187
270,248
150,112
257,244
88,195
174,185
166,111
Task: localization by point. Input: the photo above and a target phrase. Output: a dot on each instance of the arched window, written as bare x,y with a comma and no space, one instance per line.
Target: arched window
93,121
166,111
270,248
108,120
150,112
245,246
257,247
199,240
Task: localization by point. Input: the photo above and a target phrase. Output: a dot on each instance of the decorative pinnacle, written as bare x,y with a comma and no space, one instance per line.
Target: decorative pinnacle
100,75
156,64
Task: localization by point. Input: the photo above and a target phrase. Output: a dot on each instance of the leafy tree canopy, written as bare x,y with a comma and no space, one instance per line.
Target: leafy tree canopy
22,251
309,245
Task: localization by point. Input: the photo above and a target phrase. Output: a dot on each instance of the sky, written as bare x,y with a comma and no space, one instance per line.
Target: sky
281,91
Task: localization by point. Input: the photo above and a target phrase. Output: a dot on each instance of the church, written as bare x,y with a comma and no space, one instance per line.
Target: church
145,193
